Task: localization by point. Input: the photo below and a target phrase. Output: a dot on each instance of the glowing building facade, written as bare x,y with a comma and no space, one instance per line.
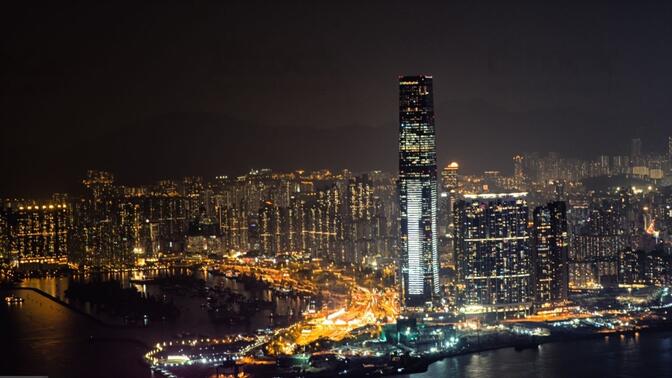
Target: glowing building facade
447,197
38,234
493,254
550,253
419,270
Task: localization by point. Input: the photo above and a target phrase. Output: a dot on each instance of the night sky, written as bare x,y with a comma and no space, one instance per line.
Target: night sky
164,90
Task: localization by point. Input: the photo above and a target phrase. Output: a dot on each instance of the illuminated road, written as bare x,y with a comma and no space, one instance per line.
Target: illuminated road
366,308
363,307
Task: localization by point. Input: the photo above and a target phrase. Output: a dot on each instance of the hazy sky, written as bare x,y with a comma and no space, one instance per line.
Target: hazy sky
168,89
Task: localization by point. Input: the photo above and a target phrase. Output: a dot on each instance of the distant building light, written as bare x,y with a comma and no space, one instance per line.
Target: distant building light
495,195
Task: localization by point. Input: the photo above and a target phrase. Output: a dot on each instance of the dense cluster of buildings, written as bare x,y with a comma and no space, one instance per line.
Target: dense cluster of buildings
487,243
562,230
522,242
341,218
655,167
526,241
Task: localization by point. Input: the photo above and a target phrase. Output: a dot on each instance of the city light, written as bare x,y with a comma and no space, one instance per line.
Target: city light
250,190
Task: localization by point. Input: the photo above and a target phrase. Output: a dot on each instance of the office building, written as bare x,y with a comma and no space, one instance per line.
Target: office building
417,192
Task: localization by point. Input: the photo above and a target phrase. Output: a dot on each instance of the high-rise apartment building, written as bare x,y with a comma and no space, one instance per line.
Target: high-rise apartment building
448,192
38,233
596,245
550,253
492,253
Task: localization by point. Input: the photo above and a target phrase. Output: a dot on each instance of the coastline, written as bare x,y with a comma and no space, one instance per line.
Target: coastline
547,340
417,366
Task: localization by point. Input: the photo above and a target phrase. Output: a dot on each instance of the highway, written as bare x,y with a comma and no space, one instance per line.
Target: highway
363,307
366,308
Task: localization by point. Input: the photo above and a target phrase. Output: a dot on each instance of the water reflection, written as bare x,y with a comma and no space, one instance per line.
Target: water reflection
42,337
193,317
645,355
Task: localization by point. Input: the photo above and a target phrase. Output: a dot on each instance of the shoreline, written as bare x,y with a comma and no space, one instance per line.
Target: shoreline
422,364
550,340
419,366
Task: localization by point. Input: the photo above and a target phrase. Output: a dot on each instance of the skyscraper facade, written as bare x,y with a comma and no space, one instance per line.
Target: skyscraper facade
550,253
419,269
447,193
596,244
518,169
449,177
36,234
492,251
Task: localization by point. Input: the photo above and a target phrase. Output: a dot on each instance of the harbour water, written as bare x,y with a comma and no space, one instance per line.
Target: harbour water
42,337
193,318
645,355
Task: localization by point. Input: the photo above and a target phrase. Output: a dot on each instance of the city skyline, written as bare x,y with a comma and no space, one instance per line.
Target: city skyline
510,166
299,189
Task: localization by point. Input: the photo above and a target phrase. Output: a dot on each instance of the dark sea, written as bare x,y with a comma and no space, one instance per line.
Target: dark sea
41,337
646,355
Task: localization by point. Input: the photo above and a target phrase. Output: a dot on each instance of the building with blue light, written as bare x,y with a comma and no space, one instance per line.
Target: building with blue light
419,269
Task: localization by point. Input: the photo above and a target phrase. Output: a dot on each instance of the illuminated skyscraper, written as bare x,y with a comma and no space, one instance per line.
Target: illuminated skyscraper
550,253
518,170
493,257
38,233
447,196
359,224
417,192
596,245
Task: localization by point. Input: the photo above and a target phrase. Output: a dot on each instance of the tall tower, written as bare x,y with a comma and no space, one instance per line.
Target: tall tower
550,253
447,197
449,177
518,170
417,192
493,258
